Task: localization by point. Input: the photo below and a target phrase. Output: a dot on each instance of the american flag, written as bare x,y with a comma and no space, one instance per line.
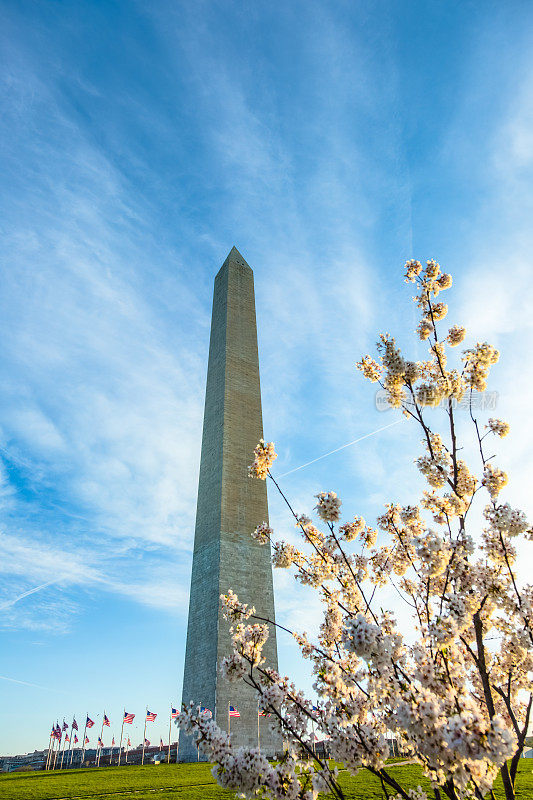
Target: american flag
174,713
206,712
89,722
113,742
128,717
150,716
233,712
264,714
74,725
65,725
58,732
146,743
75,739
66,738
161,742
86,740
129,743
100,742
106,721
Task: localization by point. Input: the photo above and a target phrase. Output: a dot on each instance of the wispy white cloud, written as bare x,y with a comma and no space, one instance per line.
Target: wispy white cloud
101,413
159,584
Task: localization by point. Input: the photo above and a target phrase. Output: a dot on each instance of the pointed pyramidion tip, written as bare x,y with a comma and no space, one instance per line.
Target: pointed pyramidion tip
235,257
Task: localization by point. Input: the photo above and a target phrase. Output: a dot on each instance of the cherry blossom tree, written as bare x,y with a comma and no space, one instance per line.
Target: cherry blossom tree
456,688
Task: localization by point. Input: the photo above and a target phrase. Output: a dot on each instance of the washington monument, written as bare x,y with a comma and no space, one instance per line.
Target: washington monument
230,505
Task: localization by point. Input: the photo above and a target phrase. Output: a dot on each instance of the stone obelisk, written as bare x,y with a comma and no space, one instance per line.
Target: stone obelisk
230,505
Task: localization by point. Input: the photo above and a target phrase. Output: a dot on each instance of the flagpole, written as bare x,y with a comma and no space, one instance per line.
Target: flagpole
120,745
169,736
48,752
63,752
51,753
144,737
127,749
58,748
72,750
101,734
84,738
258,740
70,743
111,756
229,719
50,748
54,752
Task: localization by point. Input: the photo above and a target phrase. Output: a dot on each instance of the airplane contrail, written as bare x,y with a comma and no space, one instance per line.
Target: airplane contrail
9,603
34,685
325,455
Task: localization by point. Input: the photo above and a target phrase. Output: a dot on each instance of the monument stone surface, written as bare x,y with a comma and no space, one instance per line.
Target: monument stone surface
230,505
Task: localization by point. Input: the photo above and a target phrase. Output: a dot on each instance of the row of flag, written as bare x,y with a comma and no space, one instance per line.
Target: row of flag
57,732
57,729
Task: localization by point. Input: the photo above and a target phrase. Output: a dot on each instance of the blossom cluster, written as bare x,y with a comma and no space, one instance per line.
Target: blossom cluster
494,479
263,533
265,455
456,335
478,361
328,506
498,427
370,369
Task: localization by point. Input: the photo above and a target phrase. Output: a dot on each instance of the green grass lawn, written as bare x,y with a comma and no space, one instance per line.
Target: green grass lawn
163,781
194,781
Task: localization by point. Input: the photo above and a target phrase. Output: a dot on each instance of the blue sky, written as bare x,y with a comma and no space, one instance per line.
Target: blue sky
329,141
